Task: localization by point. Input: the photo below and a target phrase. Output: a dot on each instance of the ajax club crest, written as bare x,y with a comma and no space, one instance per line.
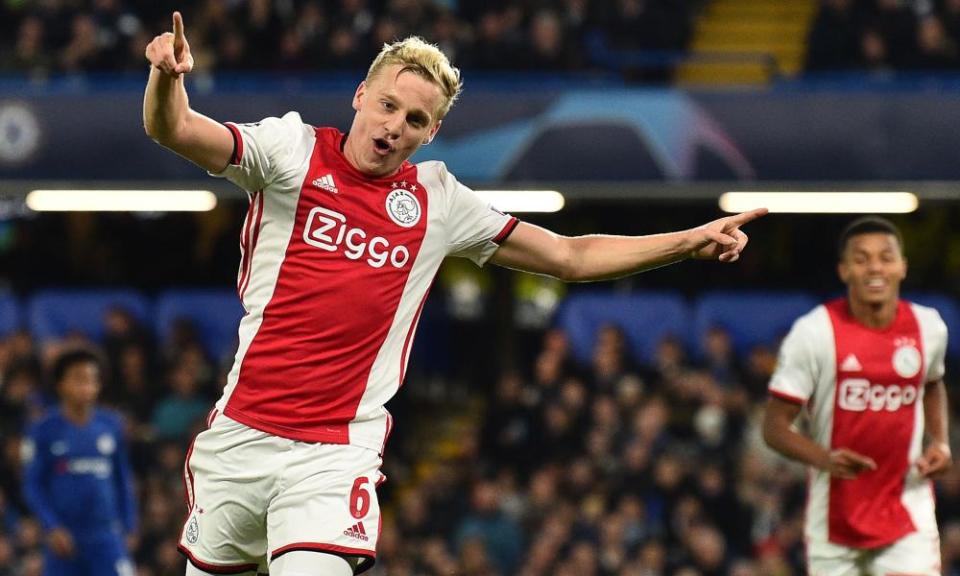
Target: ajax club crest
402,206
906,360
193,530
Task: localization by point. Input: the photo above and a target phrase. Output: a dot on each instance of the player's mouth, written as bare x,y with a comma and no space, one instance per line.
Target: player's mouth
876,284
381,146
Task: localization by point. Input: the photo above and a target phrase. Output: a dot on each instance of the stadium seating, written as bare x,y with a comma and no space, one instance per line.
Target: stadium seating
9,314
53,314
751,318
645,317
215,314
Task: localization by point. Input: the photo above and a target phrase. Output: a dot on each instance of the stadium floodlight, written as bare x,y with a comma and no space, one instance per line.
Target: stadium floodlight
515,201
821,202
121,200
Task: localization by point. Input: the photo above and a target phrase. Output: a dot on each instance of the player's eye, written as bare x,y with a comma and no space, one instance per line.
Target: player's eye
387,105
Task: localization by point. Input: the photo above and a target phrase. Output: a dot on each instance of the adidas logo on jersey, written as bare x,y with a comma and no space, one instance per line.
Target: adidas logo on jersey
357,531
326,183
851,364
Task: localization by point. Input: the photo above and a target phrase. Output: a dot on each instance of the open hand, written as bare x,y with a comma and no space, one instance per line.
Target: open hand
935,461
170,51
61,542
722,239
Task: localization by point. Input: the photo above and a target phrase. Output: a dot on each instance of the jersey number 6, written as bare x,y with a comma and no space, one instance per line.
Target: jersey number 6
359,498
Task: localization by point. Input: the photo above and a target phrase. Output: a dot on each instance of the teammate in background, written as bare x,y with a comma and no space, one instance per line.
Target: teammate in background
869,370
77,479
342,240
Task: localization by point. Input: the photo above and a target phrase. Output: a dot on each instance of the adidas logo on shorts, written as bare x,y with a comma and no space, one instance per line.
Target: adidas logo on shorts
357,531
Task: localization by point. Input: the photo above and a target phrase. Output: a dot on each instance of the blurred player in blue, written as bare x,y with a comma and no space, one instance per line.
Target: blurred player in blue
77,479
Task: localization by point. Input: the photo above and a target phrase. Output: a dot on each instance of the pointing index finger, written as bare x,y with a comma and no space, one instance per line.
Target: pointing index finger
178,27
744,217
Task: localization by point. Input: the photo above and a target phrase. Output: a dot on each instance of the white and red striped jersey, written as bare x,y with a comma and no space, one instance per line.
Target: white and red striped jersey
334,272
863,389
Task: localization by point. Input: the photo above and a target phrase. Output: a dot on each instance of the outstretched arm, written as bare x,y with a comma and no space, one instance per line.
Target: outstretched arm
167,117
600,257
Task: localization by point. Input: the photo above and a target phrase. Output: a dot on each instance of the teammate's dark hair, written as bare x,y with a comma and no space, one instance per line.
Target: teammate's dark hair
71,358
867,225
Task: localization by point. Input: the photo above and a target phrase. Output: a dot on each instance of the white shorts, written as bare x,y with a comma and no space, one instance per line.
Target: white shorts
253,496
916,554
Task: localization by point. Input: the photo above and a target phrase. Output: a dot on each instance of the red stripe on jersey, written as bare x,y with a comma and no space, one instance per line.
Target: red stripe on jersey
237,156
188,478
244,248
328,548
507,230
787,397
216,568
386,434
258,198
345,269
874,415
409,338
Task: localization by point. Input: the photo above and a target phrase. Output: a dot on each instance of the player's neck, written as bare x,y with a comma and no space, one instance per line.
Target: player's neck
77,413
873,315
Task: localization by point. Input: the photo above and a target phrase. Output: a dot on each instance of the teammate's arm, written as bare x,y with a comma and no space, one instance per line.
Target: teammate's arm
599,257
936,457
36,471
167,117
124,485
779,434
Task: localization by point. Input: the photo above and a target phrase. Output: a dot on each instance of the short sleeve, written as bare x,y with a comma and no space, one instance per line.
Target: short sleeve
937,350
798,365
264,151
475,228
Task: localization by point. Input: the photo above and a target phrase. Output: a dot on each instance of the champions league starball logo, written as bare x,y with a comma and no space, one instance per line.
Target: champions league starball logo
402,206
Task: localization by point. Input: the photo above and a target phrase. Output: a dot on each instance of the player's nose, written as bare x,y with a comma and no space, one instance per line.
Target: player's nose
394,127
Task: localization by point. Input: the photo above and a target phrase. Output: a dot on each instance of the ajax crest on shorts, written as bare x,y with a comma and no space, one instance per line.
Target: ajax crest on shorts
193,530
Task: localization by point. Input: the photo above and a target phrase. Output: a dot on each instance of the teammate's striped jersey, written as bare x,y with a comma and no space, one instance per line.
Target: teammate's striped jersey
863,389
335,269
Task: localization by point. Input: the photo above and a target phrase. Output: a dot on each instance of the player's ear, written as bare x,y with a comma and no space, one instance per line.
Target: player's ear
843,271
358,95
433,133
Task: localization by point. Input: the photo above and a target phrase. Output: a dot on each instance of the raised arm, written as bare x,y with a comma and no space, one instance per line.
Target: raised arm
600,257
167,117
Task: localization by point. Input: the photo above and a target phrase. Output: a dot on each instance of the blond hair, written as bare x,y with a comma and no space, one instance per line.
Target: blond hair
413,54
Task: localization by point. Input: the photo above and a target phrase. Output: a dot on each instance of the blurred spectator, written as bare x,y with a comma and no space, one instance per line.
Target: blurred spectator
834,39
935,50
29,53
489,541
183,407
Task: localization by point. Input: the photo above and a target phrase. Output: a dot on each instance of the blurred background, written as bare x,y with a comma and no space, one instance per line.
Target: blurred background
607,429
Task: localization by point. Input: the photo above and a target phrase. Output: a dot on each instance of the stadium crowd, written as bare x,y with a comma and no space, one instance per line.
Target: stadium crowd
610,469
67,36
44,37
885,35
